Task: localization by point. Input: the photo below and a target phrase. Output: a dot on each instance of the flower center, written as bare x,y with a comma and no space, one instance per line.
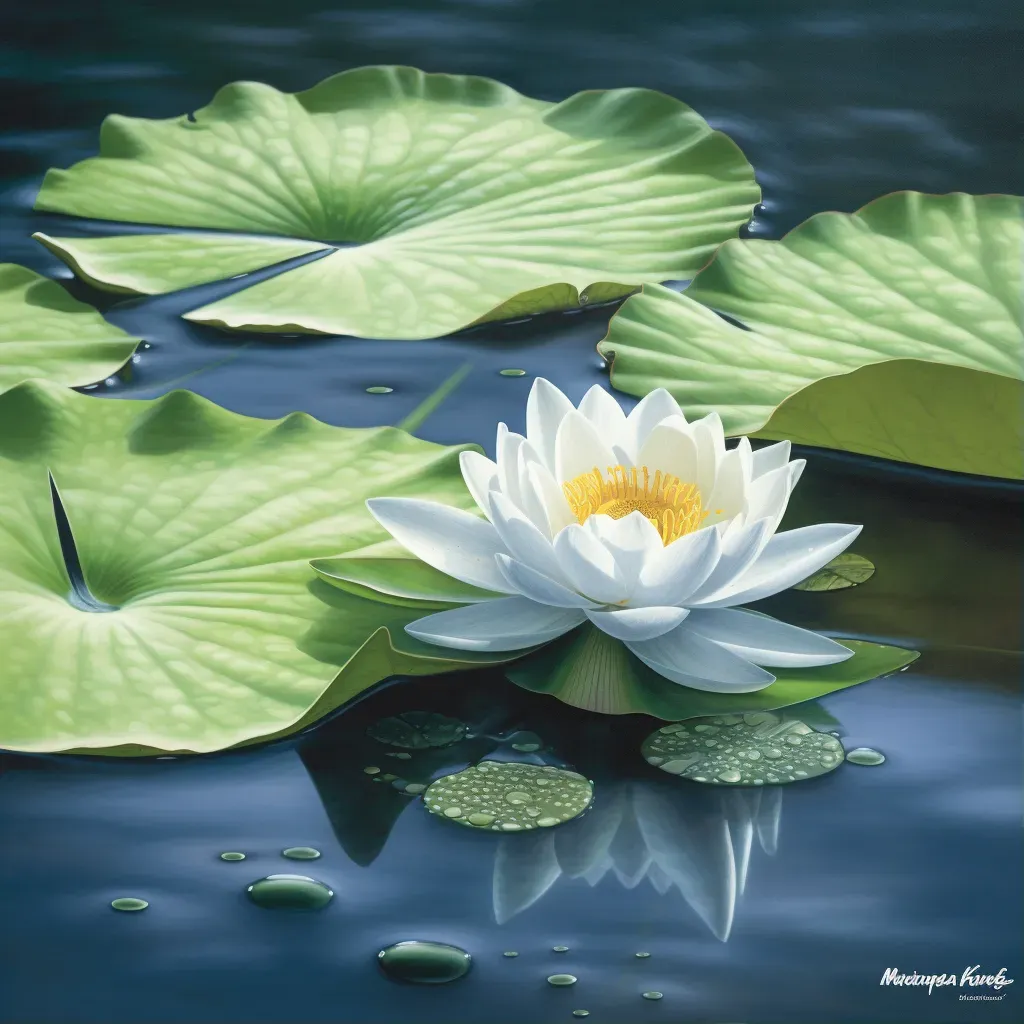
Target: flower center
672,506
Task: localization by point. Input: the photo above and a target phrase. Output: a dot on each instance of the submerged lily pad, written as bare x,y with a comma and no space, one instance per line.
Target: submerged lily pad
418,730
194,621
46,334
590,670
743,750
894,331
458,200
503,796
845,570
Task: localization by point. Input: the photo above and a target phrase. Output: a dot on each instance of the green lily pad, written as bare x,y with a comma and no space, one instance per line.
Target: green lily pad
197,623
752,749
894,332
591,670
499,796
46,334
439,200
846,570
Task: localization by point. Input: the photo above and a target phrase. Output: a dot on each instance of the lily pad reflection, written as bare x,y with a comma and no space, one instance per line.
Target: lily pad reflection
418,730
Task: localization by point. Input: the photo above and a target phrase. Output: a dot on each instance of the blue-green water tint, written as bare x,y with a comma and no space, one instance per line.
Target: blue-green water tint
915,865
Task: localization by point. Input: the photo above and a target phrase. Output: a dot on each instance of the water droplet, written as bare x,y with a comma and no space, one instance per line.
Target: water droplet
641,954
129,903
581,1013
561,979
414,788
865,755
400,754
453,812
290,892
512,372
730,775
232,855
654,995
560,949
372,770
584,298
424,963
379,389
794,741
510,952
300,853
480,819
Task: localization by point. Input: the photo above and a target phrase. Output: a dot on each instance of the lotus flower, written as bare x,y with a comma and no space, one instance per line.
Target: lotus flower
696,843
645,525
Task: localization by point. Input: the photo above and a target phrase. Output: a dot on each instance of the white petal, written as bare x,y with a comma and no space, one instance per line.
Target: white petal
481,475
709,436
551,496
505,624
690,660
786,559
670,447
545,409
633,541
768,495
507,450
520,537
531,501
589,566
635,624
742,543
684,565
766,641
538,587
457,543
727,496
651,410
606,414
579,449
774,456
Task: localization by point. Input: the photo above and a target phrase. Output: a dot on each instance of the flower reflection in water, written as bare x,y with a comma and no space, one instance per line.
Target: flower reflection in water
696,841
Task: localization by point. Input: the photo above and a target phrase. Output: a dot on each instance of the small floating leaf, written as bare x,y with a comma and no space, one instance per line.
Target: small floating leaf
379,389
232,855
743,750
418,730
845,570
507,797
561,979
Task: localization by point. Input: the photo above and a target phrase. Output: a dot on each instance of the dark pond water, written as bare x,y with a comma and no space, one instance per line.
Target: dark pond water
787,909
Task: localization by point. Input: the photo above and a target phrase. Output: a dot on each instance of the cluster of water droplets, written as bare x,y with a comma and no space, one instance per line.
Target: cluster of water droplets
743,750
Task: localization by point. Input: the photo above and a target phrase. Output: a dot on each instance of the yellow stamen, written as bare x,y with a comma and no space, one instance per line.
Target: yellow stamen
672,506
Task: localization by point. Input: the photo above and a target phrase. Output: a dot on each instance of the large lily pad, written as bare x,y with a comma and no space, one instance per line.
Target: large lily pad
894,332
590,670
197,623
45,333
459,199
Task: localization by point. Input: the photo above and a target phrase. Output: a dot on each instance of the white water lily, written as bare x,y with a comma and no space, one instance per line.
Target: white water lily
645,525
